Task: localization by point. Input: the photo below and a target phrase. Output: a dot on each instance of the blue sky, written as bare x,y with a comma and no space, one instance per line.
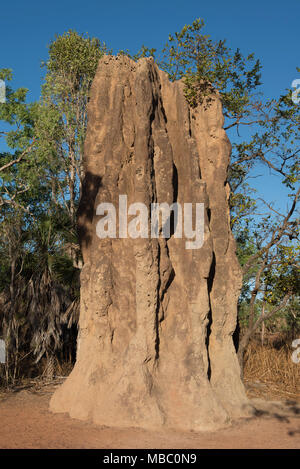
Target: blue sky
268,28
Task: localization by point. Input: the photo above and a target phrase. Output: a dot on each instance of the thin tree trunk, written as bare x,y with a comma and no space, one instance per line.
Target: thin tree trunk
250,331
50,366
263,325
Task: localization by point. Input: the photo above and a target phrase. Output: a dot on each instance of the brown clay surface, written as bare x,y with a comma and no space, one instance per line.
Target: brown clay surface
156,322
27,423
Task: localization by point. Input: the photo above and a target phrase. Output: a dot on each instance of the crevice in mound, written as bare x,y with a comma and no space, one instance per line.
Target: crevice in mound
91,186
158,304
210,281
173,217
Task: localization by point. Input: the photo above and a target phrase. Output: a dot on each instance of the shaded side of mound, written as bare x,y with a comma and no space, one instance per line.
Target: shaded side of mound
155,345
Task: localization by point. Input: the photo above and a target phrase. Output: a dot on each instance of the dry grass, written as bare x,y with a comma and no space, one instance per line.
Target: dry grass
273,368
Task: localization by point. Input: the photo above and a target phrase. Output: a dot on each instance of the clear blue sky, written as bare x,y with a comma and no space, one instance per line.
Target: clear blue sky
268,28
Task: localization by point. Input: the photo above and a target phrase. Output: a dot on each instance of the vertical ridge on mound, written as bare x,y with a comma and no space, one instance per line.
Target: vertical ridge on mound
155,344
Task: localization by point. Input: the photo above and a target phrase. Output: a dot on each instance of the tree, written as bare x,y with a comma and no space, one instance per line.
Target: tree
20,189
274,273
51,296
273,266
18,168
34,234
206,66
62,114
40,182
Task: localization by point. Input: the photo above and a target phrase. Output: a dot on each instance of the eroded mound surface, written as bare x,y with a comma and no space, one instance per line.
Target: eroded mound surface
156,322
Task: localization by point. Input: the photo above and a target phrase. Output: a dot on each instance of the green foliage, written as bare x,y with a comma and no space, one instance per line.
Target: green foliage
207,65
74,57
144,52
283,275
62,113
18,168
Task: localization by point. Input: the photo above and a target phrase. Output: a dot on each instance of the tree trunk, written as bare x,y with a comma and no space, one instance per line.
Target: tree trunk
263,326
50,366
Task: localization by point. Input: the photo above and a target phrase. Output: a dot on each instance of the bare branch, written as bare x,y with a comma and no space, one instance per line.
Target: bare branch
276,236
17,160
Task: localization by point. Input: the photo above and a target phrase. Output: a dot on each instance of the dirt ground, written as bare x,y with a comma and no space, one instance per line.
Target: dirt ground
27,423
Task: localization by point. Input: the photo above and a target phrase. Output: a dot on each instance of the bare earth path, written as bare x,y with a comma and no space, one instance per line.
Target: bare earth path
27,423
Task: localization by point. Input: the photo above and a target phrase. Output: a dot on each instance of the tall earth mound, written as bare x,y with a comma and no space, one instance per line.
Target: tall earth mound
155,343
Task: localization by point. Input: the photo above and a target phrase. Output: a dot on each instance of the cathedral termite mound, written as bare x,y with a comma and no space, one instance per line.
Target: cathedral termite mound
155,343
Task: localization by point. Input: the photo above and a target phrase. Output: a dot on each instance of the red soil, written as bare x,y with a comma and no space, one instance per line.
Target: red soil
27,423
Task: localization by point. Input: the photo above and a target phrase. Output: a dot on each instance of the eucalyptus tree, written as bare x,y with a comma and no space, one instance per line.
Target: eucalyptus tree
36,298
62,120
